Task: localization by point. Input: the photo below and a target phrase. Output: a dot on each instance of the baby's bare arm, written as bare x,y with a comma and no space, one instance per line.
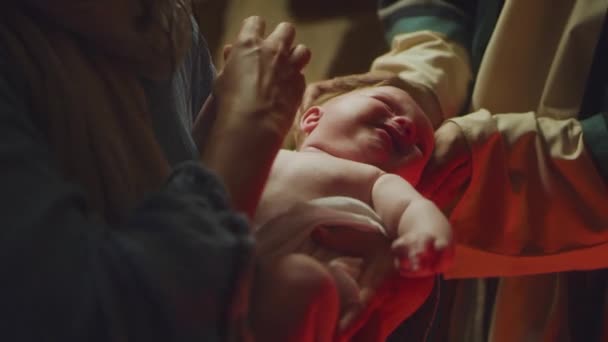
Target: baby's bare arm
392,196
421,232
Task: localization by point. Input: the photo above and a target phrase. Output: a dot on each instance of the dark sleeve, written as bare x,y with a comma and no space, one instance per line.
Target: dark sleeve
203,72
595,135
167,274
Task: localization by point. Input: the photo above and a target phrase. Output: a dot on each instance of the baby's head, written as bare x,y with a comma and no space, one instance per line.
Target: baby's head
379,125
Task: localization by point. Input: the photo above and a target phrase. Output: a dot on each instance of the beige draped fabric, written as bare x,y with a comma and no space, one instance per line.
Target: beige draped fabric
536,203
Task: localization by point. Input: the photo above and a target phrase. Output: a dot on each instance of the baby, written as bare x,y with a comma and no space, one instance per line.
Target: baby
369,144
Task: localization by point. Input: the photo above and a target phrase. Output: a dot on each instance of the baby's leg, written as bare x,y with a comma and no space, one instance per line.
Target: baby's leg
294,299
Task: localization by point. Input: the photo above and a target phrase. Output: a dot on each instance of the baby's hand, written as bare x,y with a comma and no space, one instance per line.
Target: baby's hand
425,249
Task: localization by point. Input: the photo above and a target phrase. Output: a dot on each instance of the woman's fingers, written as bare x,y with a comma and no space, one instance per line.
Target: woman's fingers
300,56
252,29
226,52
264,73
282,38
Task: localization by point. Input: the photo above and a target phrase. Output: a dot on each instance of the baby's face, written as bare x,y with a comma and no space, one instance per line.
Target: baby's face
381,126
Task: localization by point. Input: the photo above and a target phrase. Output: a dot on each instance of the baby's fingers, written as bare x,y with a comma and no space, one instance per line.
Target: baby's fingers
414,259
428,262
407,247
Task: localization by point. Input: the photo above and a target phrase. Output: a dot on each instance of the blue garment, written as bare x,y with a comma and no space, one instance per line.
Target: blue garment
166,274
176,102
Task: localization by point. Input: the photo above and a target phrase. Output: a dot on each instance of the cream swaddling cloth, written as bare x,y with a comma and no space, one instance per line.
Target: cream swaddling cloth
290,232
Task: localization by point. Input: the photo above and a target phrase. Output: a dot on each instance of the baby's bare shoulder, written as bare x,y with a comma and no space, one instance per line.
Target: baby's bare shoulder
302,176
316,164
326,175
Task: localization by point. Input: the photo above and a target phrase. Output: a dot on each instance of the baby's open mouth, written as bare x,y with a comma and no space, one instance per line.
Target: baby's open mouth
397,137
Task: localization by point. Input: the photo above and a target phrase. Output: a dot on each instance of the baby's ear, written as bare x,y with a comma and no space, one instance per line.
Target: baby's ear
310,119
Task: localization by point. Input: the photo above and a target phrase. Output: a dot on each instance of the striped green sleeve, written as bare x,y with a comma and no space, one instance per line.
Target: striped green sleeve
595,135
406,16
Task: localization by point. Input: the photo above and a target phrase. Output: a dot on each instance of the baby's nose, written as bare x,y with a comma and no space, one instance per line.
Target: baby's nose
406,126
